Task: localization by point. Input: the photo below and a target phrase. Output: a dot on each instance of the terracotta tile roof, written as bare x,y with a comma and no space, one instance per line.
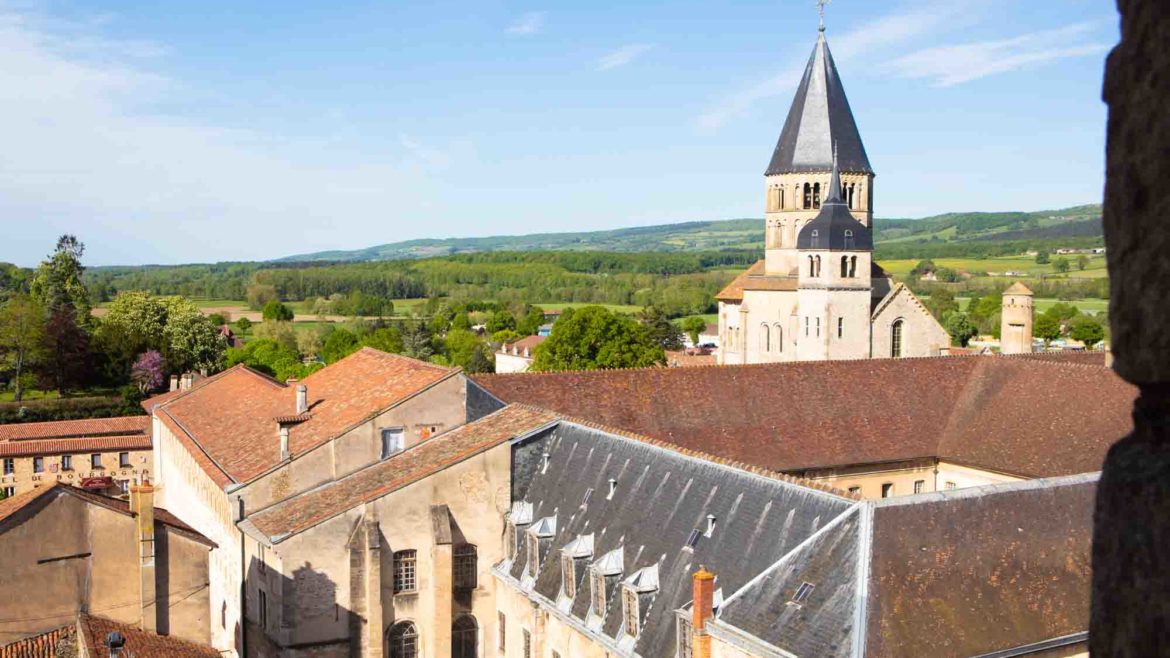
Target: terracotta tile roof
70,429
66,446
1017,288
14,504
227,421
44,645
528,343
753,278
1022,416
686,358
95,630
413,464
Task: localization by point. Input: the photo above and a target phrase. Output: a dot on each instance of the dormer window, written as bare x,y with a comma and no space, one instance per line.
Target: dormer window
569,575
597,585
848,239
630,610
533,553
815,239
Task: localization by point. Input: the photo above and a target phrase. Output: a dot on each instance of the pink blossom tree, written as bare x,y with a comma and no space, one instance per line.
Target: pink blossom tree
147,371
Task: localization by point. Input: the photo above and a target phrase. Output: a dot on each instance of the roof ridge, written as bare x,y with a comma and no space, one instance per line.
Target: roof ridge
697,454
979,491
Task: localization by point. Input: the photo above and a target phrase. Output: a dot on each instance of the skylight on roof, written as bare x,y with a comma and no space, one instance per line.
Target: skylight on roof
693,539
802,593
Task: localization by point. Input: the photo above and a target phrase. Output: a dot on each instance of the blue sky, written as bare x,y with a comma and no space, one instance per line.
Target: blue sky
195,132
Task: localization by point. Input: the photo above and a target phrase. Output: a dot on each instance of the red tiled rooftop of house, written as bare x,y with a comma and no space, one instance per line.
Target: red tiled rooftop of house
45,645
72,429
139,643
78,445
228,421
1029,417
411,465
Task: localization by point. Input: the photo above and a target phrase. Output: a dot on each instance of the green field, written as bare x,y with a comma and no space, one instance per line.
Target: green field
1000,265
616,308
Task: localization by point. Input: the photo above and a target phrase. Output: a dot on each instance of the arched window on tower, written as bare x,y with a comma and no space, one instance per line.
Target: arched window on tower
815,241
816,195
778,337
896,339
818,266
780,200
812,267
848,239
464,637
853,267
851,187
765,338
844,267
807,196
403,640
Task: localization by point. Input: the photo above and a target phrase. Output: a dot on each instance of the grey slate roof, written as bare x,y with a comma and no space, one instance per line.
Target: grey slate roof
835,228
660,499
819,118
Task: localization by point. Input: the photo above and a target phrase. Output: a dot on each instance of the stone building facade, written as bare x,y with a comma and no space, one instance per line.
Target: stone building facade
1016,320
817,294
104,455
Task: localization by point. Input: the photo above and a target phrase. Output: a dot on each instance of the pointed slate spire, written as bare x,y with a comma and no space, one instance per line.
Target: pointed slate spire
819,118
834,194
835,228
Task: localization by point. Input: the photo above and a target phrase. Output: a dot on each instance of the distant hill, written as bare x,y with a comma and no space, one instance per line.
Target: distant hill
949,229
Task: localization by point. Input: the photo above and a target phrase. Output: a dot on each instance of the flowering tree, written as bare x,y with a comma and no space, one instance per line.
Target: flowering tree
147,371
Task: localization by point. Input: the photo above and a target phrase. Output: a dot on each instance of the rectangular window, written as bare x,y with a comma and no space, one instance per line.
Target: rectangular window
533,553
124,486
919,485
818,327
502,632
9,465
392,442
95,460
123,460
598,585
568,576
802,592
66,462
855,489
840,327
38,464
887,490
263,610
685,638
464,565
527,644
630,608
9,492
806,325
405,571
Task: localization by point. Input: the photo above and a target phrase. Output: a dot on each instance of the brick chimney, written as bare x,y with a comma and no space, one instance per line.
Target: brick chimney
142,506
284,452
174,382
702,608
302,399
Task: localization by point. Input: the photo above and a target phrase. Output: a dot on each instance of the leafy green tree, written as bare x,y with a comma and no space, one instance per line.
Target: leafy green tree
57,281
417,342
1063,311
386,339
1046,328
592,337
1082,262
191,341
923,267
1061,264
660,329
258,295
340,344
244,325
311,341
961,329
276,311
1086,329
467,350
137,322
506,336
1042,258
22,326
271,358
530,324
941,302
693,326
217,319
499,321
461,321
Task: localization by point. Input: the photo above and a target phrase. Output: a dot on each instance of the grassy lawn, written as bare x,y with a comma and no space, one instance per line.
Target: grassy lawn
1025,264
1092,306
7,395
616,308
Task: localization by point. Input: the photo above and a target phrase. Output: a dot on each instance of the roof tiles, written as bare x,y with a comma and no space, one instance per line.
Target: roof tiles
70,429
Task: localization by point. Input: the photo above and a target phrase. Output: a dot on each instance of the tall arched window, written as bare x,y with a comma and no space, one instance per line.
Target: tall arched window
807,196
403,640
817,262
852,267
816,195
812,267
844,267
765,338
780,205
464,637
778,337
896,339
851,186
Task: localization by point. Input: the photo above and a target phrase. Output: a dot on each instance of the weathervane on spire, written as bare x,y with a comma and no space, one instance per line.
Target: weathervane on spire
821,10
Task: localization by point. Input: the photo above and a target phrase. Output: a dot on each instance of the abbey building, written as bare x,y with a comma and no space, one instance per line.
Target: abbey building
818,294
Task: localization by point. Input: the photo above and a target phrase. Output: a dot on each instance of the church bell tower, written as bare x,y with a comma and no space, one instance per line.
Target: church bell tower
796,182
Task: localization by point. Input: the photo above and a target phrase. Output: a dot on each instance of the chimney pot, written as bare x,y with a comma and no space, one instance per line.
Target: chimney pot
174,382
302,399
284,442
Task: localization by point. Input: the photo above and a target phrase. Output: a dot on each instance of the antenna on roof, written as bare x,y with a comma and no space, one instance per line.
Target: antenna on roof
821,10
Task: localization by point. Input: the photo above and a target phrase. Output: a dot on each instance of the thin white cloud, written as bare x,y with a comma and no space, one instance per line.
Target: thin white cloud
946,66
883,32
622,56
86,152
530,23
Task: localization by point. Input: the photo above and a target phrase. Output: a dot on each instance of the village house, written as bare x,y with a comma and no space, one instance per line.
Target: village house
104,455
93,636
518,356
68,551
